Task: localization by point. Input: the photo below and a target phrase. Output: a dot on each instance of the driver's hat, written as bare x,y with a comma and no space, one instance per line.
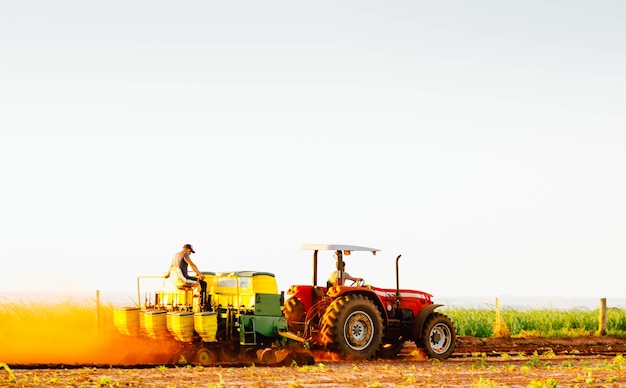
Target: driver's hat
188,246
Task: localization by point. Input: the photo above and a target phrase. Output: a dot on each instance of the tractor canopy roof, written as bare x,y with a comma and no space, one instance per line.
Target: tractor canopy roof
337,247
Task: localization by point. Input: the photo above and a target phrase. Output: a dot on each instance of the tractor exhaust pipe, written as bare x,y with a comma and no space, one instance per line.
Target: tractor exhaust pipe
398,282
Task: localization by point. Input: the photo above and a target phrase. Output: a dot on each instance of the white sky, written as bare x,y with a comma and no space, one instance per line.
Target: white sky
484,141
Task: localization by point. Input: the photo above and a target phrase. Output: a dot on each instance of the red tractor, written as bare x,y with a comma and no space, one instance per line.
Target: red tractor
359,321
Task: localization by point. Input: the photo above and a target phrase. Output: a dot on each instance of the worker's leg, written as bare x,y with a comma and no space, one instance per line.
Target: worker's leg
204,302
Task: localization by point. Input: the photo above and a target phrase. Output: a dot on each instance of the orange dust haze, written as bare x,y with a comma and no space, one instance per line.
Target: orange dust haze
71,333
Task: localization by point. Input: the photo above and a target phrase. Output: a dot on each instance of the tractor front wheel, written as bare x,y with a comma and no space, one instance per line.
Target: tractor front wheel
439,336
352,326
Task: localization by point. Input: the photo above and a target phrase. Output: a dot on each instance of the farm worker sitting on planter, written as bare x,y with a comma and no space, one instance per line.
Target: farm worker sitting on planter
180,277
332,280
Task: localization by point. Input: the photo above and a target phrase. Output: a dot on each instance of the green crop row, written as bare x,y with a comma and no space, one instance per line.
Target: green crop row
480,322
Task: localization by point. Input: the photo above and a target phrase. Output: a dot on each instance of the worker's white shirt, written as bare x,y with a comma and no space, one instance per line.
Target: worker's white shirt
333,278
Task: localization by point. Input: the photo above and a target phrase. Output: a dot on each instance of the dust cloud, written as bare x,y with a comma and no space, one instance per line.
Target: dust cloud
72,333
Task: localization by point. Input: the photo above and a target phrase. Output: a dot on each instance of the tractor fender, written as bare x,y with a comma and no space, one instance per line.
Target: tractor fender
418,324
337,292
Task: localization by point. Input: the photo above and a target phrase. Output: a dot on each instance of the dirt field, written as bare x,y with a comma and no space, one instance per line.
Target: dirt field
591,345
568,362
566,371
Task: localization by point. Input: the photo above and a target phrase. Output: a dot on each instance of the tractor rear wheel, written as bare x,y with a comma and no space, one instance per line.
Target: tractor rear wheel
295,313
439,336
352,326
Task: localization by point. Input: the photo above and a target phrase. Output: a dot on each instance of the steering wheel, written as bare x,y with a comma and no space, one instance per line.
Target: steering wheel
357,283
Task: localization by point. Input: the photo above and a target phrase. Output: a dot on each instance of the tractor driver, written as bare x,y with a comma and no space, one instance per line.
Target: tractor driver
178,270
341,266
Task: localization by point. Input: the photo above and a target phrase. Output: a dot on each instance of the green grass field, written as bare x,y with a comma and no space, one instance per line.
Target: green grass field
480,322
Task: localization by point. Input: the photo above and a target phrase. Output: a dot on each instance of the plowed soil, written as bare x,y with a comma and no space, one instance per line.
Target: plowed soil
569,362
591,345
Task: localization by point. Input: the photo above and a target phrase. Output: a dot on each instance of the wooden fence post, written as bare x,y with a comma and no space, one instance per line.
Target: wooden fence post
498,320
98,310
500,330
602,317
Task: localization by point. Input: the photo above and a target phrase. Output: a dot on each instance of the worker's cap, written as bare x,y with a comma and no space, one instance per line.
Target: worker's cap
188,246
